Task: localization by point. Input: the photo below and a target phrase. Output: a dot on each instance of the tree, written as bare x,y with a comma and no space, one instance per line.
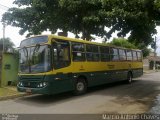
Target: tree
8,44
74,16
121,42
137,17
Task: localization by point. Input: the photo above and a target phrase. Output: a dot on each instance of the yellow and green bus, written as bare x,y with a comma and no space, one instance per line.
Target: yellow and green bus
51,64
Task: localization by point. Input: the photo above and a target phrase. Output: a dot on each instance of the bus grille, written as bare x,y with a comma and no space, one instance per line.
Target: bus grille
30,84
31,81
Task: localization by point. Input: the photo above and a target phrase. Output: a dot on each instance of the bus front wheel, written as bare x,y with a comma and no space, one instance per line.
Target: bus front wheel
80,86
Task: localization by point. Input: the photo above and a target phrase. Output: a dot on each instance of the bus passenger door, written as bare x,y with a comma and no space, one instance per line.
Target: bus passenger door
61,62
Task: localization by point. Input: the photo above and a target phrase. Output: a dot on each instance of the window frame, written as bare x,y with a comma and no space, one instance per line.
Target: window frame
69,55
92,52
82,52
140,56
122,56
113,55
104,52
129,56
133,55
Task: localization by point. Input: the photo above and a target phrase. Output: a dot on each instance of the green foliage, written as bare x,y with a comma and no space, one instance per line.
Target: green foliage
137,17
8,44
153,45
144,49
121,42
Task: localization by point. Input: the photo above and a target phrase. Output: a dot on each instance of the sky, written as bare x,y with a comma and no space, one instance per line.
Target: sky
13,32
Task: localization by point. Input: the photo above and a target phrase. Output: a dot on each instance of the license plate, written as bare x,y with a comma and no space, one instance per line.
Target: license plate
28,90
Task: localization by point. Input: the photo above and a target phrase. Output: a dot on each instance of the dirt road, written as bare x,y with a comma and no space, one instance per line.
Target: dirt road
112,98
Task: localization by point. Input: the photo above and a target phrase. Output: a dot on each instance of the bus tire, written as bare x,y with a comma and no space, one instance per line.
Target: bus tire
80,86
129,78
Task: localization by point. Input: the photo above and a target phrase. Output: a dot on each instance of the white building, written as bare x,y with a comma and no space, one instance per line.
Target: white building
148,62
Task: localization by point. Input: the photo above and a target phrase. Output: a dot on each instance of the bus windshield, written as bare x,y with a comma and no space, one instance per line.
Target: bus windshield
34,41
35,59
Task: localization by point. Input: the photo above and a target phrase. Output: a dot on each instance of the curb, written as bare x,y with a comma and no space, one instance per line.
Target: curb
12,96
149,72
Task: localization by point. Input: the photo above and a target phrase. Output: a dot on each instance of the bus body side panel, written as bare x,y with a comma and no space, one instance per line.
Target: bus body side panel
137,72
60,83
137,69
55,84
98,78
120,70
101,72
95,72
64,79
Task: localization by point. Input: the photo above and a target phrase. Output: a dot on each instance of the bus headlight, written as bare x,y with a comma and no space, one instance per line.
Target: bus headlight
42,84
20,84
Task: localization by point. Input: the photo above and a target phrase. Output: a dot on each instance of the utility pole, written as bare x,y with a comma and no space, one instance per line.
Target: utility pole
4,27
155,48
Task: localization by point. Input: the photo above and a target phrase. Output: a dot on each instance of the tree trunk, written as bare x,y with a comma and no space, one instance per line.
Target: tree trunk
86,35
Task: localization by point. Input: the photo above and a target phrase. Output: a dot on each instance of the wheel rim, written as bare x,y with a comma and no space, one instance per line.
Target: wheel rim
80,86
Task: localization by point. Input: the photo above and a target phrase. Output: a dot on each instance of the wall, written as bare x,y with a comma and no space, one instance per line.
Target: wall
0,67
146,64
9,69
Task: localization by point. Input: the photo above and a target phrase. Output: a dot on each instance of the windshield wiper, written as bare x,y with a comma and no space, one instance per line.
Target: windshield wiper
27,57
36,49
25,51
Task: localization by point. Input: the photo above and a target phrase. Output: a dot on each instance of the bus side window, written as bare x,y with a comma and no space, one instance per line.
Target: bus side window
139,55
89,53
105,54
114,54
92,52
129,55
95,51
134,55
78,53
122,54
61,54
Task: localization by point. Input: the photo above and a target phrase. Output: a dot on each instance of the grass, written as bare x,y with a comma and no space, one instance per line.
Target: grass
7,92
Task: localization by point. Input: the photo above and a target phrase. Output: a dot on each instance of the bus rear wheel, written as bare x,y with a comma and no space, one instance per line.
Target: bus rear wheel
80,86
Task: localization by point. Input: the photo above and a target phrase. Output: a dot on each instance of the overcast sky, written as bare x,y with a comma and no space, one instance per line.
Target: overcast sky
13,32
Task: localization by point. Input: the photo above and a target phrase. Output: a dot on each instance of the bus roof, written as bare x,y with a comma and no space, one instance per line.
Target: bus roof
86,41
51,36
